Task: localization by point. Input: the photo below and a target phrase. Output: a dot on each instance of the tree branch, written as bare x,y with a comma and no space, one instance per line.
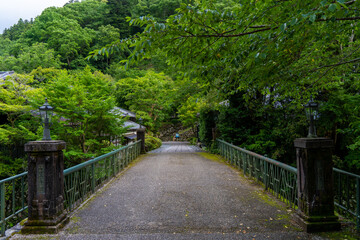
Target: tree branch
259,26
336,64
340,19
222,34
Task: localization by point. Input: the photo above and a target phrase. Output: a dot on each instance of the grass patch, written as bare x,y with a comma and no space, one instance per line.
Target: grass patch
344,235
213,157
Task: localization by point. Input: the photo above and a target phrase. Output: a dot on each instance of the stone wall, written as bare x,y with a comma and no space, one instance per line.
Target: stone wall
167,133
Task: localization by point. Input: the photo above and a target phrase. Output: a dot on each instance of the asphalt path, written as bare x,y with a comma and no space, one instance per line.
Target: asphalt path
177,147
181,195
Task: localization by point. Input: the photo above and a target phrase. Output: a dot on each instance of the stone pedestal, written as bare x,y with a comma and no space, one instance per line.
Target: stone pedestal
315,184
45,187
140,135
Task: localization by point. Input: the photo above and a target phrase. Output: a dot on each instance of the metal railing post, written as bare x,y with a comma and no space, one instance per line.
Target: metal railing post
93,177
265,175
113,164
2,208
358,204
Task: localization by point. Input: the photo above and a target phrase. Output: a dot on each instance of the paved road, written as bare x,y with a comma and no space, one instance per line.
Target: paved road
177,147
181,196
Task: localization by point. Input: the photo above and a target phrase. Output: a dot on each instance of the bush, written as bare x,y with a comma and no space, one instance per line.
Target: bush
207,123
193,141
152,143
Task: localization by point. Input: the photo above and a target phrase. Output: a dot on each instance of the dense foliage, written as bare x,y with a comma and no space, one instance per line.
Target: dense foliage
150,96
240,70
271,56
84,115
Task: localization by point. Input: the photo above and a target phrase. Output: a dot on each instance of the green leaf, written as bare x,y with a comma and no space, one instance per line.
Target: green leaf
283,27
332,7
312,18
323,3
293,21
341,3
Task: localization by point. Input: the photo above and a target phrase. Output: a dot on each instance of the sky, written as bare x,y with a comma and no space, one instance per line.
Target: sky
12,10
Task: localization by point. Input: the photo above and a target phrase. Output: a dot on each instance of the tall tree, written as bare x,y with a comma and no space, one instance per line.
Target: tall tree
119,10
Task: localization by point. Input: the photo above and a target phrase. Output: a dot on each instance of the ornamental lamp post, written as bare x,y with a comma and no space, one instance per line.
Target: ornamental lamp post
315,178
46,213
46,112
312,110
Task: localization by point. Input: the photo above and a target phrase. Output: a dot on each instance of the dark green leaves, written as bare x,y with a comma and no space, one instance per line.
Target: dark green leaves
332,7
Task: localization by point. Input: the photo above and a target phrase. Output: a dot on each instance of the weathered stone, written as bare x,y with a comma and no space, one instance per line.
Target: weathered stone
167,132
315,184
140,135
45,187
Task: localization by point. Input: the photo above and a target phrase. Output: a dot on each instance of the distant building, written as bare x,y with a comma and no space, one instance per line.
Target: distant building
132,126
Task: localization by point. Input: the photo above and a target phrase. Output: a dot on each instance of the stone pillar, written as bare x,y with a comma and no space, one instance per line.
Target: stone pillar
140,135
315,184
45,187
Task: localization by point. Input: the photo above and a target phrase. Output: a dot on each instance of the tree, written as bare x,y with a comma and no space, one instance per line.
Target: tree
188,112
269,47
119,10
150,97
20,126
16,93
89,13
160,9
17,30
62,34
37,55
84,103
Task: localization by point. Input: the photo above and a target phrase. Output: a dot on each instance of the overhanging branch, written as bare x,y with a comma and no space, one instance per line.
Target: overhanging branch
336,64
223,35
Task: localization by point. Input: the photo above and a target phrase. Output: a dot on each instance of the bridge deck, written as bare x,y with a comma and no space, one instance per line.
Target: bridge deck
180,196
177,147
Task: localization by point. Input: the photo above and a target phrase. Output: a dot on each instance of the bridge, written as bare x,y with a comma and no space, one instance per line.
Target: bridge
179,192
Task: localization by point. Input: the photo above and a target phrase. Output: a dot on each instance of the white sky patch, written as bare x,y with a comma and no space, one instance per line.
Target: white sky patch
12,10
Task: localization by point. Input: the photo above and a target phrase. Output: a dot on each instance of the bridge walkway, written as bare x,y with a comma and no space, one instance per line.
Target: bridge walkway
181,193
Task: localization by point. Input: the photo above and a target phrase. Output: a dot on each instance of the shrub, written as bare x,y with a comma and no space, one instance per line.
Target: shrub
152,143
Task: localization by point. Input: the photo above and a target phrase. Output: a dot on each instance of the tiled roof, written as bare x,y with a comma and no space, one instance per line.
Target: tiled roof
3,75
124,112
132,125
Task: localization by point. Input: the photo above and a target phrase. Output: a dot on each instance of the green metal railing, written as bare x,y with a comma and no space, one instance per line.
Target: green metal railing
278,178
281,180
347,195
80,182
13,201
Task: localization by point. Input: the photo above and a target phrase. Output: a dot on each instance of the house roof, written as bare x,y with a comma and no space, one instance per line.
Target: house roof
3,74
132,125
131,137
124,112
